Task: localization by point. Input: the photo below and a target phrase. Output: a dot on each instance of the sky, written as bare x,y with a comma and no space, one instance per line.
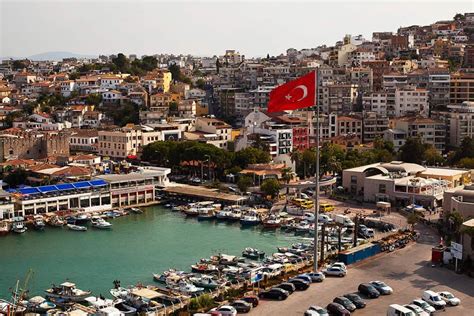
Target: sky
202,28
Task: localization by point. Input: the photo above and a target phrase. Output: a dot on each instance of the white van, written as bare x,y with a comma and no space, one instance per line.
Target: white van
399,310
433,299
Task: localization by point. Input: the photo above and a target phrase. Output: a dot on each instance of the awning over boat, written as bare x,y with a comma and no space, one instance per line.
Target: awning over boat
146,293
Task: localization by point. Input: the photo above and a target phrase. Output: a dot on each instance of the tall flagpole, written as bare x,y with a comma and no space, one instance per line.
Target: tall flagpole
316,177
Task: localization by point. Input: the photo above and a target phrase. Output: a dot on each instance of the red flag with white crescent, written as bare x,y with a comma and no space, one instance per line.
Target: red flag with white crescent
296,94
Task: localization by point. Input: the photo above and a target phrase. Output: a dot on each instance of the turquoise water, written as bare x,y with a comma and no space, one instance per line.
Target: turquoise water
136,247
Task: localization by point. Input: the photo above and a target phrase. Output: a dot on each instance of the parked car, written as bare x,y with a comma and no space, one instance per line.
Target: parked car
241,306
252,299
316,311
399,310
299,284
449,298
416,309
337,309
304,277
339,264
275,294
345,302
433,299
425,306
356,299
225,310
316,276
289,287
383,288
335,271
368,290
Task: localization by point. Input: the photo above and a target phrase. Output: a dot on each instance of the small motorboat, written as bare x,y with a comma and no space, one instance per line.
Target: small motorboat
136,210
125,309
39,305
55,221
191,211
112,214
77,227
82,219
205,281
4,228
272,222
18,225
223,215
235,215
7,308
188,289
100,223
206,213
38,222
250,219
253,253
204,268
67,291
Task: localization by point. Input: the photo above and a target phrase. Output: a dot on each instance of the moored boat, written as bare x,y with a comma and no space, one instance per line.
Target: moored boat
77,227
100,223
67,291
272,222
4,227
18,225
235,215
223,215
206,213
38,222
205,281
250,219
136,210
204,268
55,221
253,253
7,308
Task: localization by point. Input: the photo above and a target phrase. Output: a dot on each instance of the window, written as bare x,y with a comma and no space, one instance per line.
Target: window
382,188
353,179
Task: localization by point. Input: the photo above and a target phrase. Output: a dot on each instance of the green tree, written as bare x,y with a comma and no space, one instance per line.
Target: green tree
465,150
201,84
287,175
94,99
121,62
308,158
19,64
270,187
454,220
467,163
244,183
218,65
413,151
16,177
433,157
412,220
250,155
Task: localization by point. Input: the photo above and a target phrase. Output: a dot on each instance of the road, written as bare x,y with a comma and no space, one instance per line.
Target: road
407,270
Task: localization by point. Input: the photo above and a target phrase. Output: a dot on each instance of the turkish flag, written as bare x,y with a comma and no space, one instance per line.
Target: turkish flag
296,94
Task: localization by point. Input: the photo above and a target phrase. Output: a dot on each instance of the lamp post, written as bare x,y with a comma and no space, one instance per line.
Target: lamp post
208,165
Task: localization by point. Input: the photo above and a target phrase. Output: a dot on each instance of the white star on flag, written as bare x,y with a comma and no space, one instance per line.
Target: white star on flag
288,97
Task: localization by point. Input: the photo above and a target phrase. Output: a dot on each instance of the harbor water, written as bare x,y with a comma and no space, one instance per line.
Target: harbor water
137,246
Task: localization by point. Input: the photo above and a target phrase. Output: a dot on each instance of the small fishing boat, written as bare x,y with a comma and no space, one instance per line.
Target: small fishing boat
235,215
250,219
191,211
204,268
253,253
136,210
177,208
100,223
18,225
82,219
206,213
55,221
272,222
188,288
67,291
39,304
125,308
112,214
205,281
7,308
223,215
4,228
77,227
38,222
302,228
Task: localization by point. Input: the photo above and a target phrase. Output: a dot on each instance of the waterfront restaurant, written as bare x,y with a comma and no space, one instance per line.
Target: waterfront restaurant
131,189
91,195
6,205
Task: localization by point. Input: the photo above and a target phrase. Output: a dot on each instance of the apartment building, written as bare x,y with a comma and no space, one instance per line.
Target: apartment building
373,126
411,101
349,125
338,97
430,131
461,88
216,127
84,140
375,102
164,99
461,122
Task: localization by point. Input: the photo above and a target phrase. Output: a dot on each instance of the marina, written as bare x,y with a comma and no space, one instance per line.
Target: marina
95,258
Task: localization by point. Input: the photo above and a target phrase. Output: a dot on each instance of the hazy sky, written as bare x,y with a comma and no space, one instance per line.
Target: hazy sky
202,27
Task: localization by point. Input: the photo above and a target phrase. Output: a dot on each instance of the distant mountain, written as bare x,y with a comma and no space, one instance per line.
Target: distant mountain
52,56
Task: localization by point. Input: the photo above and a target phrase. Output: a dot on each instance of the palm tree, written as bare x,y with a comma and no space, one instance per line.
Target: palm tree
287,175
295,157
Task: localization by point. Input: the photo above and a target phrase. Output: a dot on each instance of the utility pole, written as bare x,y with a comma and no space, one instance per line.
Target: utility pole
323,237
339,239
356,230
316,178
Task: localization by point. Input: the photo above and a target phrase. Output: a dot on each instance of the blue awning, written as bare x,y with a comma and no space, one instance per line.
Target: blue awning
65,186
47,188
29,191
82,185
98,183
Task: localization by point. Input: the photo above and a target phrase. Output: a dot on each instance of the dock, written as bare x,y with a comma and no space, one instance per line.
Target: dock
204,193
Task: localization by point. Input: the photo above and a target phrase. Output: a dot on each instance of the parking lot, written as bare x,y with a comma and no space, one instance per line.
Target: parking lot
408,271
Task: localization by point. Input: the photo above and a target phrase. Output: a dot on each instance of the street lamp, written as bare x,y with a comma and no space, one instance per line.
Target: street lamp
202,166
209,166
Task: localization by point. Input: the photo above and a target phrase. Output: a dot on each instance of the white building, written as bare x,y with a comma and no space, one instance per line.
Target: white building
461,122
411,101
